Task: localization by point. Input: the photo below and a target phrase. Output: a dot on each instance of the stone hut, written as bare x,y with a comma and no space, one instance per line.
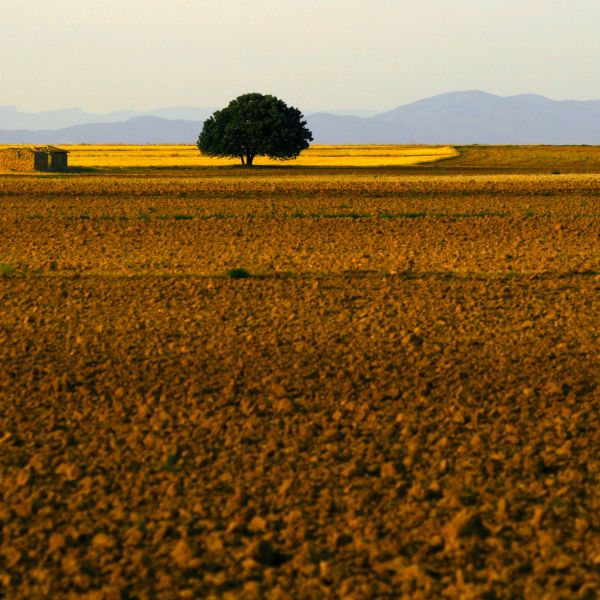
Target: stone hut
33,158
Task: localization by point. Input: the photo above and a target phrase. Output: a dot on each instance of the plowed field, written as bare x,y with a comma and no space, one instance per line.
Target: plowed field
350,383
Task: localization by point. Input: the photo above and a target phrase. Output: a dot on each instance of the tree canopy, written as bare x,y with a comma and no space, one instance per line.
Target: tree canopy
255,125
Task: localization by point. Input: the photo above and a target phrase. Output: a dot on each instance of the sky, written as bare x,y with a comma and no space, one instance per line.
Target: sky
104,55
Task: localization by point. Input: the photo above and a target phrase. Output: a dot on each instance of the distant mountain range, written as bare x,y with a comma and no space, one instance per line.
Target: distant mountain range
12,118
455,118
138,130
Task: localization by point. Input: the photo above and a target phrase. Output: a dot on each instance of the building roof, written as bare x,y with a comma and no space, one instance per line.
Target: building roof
45,149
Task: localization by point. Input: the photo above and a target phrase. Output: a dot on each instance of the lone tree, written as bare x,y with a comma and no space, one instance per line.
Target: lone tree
255,125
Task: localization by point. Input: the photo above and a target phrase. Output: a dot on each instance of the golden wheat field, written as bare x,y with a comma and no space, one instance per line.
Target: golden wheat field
319,380
182,155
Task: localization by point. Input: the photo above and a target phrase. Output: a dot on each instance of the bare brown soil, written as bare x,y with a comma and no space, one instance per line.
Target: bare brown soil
402,400
534,159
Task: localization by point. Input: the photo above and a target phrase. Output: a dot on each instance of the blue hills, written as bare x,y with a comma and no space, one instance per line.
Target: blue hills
468,117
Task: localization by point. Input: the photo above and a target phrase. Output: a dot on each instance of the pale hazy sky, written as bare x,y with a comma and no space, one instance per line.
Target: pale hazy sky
103,55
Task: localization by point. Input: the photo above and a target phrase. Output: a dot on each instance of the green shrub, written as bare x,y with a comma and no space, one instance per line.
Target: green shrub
238,273
6,271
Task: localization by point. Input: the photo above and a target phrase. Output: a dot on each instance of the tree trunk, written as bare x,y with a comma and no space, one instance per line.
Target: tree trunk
249,159
242,159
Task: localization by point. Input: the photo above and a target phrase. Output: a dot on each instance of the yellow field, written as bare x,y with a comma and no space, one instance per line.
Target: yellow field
465,160
189,156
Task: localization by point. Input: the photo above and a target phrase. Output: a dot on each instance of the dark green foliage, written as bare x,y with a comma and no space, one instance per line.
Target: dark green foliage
238,273
255,125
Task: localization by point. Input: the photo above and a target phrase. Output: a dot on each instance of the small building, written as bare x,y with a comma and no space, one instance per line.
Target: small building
33,158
